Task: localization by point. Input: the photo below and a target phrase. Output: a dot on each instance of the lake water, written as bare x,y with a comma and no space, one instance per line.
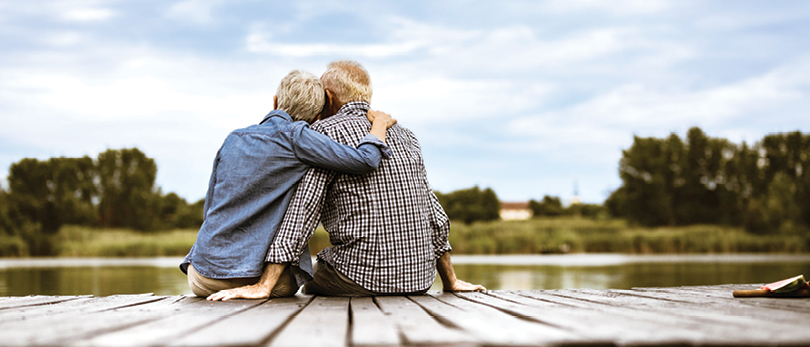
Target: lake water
51,276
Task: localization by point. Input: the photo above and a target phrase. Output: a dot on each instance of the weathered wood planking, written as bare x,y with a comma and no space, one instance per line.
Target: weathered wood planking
324,322
263,320
370,326
682,316
59,324
16,302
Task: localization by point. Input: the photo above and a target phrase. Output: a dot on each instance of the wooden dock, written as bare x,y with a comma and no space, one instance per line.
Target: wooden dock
683,316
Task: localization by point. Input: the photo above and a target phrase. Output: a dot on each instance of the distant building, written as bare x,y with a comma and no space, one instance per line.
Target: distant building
515,211
575,200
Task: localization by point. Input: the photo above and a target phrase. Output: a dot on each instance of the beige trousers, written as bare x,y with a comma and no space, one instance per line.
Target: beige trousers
204,286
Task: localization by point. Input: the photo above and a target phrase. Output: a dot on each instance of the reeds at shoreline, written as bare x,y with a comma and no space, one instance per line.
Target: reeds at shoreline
535,236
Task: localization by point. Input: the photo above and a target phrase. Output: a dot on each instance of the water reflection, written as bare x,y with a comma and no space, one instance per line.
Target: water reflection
625,276
92,280
161,276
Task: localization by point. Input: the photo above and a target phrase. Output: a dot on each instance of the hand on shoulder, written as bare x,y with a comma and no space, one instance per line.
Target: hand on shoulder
379,116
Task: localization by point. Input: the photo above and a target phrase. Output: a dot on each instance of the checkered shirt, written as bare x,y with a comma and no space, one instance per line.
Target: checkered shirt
386,227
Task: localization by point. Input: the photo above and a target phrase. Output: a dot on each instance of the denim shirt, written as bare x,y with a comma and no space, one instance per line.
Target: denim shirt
255,174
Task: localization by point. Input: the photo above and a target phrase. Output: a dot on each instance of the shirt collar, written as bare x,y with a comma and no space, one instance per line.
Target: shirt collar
354,106
276,113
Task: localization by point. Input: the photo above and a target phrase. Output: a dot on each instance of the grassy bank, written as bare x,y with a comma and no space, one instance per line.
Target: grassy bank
584,235
536,236
76,241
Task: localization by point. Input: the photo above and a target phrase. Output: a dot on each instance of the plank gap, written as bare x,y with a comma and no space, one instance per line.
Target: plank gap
400,333
515,314
546,300
350,325
440,319
46,301
157,298
78,339
272,336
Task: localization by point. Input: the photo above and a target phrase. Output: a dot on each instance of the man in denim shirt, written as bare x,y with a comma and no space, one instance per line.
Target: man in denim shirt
255,174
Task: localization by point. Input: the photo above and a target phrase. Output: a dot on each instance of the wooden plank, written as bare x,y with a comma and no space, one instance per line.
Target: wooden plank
417,327
77,306
673,324
168,324
647,316
251,327
491,326
36,300
324,322
587,323
723,294
62,329
710,310
370,326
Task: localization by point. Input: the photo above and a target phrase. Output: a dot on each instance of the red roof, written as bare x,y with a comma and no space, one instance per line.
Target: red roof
514,205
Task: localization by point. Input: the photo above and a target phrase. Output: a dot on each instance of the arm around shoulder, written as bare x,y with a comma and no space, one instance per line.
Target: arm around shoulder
318,150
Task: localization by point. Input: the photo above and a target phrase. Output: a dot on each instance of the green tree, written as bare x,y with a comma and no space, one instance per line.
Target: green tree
54,192
175,212
469,205
644,169
128,196
550,206
711,180
44,195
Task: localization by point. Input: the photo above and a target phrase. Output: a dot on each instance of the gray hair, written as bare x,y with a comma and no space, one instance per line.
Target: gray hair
301,95
348,80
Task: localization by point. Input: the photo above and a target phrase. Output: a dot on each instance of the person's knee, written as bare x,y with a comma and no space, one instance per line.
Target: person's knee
194,283
200,291
283,291
286,285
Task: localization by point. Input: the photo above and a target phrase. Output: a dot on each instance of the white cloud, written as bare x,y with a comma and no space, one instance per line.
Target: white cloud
597,127
404,37
175,108
258,44
195,11
620,7
88,14
528,96
64,39
437,100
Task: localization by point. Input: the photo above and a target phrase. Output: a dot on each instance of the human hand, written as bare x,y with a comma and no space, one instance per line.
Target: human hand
379,116
462,286
254,291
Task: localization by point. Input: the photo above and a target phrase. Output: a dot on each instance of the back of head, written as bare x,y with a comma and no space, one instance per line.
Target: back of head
301,95
348,80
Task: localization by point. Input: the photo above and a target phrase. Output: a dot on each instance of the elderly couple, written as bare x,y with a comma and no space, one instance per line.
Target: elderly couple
354,170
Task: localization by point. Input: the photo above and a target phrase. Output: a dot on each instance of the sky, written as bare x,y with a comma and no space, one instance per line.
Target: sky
529,98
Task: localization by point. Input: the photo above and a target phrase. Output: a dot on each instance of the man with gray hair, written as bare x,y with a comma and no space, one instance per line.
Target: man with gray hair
388,231
254,177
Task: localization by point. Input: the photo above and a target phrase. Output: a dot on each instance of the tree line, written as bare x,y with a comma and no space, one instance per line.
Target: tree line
115,190
763,187
471,204
551,206
475,204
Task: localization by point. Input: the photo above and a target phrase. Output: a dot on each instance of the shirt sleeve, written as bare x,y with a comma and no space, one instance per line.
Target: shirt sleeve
301,219
439,223
316,149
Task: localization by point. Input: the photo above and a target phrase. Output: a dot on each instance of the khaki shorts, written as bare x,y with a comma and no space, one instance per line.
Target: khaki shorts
204,286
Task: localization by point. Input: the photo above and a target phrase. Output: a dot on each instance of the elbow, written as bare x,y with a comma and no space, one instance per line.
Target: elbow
368,166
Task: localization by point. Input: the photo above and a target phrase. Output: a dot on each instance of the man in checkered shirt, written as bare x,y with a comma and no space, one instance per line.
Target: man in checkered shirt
388,231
